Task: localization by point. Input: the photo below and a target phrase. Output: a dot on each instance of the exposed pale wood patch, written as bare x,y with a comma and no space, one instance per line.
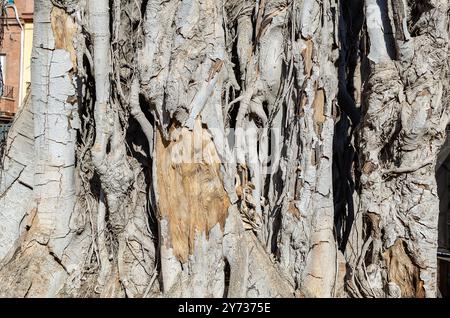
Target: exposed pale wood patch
292,208
319,106
307,57
191,194
403,271
64,29
369,167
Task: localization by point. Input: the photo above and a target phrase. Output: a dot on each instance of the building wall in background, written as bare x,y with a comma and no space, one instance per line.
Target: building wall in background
28,47
11,50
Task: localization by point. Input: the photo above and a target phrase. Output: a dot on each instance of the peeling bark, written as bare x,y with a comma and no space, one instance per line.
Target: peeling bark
405,113
228,149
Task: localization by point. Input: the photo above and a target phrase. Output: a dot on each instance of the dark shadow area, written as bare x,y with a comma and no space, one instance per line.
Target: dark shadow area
227,272
344,154
443,184
418,8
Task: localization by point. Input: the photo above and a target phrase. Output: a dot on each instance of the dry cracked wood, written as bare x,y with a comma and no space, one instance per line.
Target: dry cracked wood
228,148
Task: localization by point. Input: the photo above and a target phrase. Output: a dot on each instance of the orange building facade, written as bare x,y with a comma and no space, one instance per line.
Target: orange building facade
15,55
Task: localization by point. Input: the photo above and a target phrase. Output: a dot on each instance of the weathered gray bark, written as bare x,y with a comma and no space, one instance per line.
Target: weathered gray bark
16,180
405,112
43,259
216,148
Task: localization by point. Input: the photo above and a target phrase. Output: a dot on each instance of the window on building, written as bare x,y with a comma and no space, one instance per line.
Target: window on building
3,67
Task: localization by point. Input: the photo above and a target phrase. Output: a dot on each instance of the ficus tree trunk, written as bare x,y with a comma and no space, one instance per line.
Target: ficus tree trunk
225,148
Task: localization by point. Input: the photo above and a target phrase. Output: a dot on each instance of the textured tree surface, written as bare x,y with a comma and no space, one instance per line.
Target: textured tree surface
228,148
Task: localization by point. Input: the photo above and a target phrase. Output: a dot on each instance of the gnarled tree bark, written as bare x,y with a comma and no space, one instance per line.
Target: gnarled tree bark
225,148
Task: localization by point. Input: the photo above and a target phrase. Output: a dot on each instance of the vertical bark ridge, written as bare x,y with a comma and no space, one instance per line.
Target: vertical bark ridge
212,148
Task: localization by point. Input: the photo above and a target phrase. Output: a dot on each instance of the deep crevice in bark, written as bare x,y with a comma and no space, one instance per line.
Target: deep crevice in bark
344,153
294,75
